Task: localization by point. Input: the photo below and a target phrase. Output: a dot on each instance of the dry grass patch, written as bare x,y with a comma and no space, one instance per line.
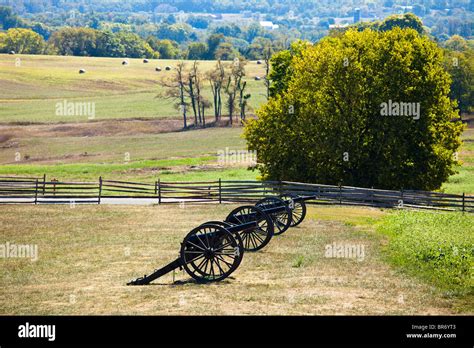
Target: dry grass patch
87,254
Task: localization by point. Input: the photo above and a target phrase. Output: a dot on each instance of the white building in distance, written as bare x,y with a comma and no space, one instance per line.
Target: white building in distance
269,25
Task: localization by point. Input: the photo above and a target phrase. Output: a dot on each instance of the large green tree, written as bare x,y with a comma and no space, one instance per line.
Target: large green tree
406,20
21,40
281,69
329,125
74,41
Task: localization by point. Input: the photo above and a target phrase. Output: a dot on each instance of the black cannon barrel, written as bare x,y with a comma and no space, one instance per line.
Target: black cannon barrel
303,198
274,210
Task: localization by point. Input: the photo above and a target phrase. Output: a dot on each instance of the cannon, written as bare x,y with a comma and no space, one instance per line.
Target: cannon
208,253
214,250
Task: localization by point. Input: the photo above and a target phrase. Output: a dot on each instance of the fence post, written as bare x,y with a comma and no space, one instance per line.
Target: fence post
220,191
100,190
44,183
463,202
340,194
401,198
159,191
36,192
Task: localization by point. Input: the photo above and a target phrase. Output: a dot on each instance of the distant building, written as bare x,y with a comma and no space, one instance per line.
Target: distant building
268,25
338,26
402,9
356,15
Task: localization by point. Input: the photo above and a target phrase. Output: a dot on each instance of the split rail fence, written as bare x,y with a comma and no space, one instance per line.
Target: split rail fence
29,190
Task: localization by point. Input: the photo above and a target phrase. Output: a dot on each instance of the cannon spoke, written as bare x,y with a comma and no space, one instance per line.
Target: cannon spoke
219,267
222,259
196,245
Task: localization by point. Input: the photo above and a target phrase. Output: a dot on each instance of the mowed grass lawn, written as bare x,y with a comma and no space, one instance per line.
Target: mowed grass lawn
464,180
88,253
30,91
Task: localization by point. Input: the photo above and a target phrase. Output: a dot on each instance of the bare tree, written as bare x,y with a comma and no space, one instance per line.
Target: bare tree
216,79
243,99
234,83
174,88
194,90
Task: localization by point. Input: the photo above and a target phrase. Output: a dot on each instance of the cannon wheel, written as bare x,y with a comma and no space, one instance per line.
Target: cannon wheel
257,237
226,224
210,253
298,208
282,219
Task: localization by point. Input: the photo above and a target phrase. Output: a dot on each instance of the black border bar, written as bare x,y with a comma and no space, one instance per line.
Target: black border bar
225,330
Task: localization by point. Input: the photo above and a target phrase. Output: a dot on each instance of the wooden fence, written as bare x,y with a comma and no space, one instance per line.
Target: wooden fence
21,190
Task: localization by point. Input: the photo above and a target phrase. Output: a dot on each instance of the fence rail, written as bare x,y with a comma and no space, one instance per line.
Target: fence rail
27,190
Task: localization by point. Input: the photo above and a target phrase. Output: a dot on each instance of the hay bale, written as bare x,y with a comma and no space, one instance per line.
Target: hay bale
82,71
11,52
125,62
158,69
259,62
145,61
168,68
257,78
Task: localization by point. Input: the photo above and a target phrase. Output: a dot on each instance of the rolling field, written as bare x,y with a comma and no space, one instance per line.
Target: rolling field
86,255
190,155
29,92
134,135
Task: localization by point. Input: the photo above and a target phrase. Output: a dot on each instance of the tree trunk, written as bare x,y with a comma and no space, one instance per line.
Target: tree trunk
183,105
193,100
203,116
219,101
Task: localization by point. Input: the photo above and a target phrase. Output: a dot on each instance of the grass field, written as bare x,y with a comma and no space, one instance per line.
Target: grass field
437,247
29,92
145,150
135,135
87,254
464,180
188,155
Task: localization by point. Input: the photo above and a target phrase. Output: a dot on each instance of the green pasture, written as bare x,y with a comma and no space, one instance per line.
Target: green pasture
31,86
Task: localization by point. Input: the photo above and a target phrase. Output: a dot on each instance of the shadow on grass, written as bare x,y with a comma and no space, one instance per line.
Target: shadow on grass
190,281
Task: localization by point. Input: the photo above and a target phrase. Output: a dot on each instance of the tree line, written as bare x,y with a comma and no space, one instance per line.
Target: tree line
169,40
79,41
